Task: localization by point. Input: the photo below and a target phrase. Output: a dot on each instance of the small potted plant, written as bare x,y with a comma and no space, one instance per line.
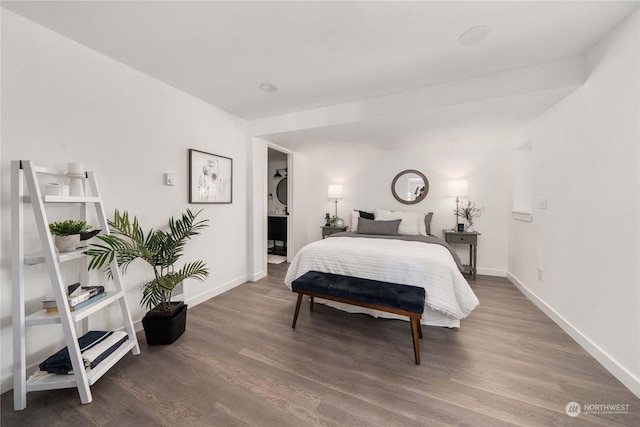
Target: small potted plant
165,321
469,212
67,234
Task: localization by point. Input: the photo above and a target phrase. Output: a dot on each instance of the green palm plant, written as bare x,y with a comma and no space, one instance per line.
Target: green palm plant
160,249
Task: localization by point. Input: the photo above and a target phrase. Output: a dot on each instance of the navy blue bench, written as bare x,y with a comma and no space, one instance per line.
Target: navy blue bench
404,300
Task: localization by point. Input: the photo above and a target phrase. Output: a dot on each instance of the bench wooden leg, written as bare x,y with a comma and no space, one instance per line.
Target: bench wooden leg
295,316
414,333
414,318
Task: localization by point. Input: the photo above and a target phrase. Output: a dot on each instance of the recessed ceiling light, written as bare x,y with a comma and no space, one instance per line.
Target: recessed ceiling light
268,87
474,35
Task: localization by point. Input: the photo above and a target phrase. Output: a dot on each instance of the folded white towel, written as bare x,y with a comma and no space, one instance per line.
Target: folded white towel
90,354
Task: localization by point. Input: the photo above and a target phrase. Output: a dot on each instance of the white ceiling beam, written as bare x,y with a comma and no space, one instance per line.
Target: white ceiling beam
564,73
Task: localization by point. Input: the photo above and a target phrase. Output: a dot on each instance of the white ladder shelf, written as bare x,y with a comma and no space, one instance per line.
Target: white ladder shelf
24,171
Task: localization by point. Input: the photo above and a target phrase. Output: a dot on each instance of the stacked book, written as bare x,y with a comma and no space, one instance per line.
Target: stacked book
78,297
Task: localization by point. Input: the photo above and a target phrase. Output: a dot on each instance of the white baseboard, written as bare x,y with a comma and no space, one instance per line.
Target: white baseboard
220,289
621,373
7,383
492,272
257,276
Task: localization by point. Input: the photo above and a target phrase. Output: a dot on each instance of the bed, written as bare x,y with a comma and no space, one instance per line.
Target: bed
418,260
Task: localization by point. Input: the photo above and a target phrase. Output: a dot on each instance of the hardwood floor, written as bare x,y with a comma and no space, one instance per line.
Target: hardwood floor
240,364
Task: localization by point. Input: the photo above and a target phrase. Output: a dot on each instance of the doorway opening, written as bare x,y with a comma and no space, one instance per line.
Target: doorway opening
278,202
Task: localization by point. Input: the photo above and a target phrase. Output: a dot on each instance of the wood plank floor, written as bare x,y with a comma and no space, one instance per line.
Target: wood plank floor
241,364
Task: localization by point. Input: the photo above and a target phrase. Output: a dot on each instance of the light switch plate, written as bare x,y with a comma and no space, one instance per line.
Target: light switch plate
542,203
169,179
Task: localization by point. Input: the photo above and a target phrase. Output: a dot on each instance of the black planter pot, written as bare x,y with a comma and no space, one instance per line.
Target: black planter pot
162,328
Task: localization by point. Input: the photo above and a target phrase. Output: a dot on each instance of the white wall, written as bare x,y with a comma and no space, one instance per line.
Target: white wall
258,209
64,102
366,178
302,230
586,162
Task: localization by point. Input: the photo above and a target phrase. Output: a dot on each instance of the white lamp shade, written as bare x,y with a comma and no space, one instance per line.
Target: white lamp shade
335,191
457,188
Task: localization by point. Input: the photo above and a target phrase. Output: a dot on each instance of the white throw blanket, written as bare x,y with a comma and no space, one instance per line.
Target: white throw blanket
91,354
409,263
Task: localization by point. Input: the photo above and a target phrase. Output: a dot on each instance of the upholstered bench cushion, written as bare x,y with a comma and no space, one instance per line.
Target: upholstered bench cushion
392,295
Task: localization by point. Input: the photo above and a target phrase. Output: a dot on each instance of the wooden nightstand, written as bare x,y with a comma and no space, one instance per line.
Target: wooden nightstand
328,231
468,238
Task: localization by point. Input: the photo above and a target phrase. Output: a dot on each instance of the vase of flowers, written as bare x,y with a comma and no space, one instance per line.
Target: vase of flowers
469,212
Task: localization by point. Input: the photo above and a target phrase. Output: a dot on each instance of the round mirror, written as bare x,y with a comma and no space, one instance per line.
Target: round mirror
281,191
410,187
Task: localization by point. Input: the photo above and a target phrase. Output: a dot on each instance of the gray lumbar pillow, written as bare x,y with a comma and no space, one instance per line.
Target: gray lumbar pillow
369,226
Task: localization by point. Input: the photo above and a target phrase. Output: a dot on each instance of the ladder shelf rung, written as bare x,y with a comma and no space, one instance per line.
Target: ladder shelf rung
41,317
48,171
34,259
63,199
70,199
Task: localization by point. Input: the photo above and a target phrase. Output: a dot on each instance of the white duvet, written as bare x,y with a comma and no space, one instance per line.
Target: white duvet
409,263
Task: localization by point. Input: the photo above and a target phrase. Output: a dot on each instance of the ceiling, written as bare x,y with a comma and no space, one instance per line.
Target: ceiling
320,53
480,122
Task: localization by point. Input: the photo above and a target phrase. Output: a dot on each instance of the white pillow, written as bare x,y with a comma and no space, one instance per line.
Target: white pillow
412,222
355,214
422,225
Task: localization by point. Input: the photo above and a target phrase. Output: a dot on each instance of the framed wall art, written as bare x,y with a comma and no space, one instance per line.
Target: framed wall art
210,178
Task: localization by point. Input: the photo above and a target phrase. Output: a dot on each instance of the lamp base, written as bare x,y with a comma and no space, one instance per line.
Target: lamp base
455,226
